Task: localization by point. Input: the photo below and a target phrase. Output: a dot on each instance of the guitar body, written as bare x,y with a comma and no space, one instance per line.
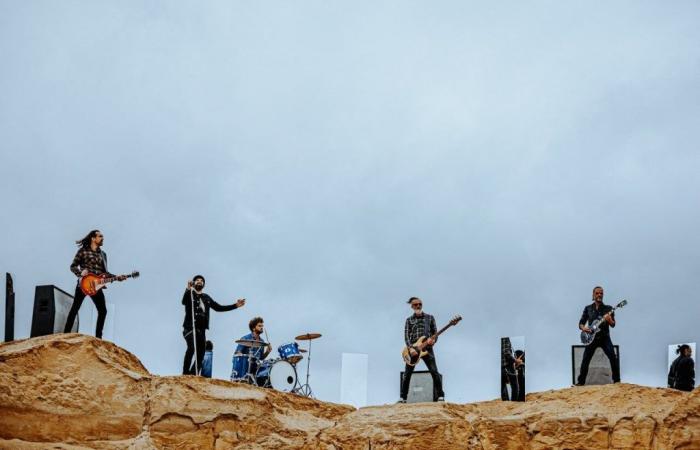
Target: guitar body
90,284
587,338
411,360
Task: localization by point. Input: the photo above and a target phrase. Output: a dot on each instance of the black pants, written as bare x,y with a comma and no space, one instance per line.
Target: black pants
429,361
188,368
99,301
606,344
512,379
521,386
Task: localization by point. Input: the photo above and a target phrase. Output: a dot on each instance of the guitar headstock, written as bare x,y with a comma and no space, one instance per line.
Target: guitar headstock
135,274
455,320
621,304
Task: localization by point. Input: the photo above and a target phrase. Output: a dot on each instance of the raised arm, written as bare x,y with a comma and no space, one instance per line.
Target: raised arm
221,308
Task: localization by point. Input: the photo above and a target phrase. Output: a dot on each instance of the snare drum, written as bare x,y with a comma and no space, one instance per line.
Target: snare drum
290,352
277,374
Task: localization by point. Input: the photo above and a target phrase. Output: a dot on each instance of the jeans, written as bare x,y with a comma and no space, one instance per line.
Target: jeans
606,344
98,299
429,360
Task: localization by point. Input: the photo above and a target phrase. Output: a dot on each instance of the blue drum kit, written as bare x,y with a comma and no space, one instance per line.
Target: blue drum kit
276,373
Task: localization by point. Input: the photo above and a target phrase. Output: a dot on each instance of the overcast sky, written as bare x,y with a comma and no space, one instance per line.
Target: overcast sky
328,160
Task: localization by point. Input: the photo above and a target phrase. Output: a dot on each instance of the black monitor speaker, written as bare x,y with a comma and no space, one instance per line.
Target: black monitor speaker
599,371
421,387
9,309
51,307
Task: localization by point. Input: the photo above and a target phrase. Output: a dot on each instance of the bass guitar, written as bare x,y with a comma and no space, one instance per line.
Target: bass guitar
91,283
420,345
588,337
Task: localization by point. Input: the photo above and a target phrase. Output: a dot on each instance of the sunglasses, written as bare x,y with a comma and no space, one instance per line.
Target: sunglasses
414,305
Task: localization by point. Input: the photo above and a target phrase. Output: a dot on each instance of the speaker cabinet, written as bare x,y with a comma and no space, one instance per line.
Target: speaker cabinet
9,309
51,307
599,371
421,387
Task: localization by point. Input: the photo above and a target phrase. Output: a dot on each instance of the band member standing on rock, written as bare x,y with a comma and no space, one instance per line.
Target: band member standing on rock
681,376
90,259
594,311
509,372
199,303
239,361
417,325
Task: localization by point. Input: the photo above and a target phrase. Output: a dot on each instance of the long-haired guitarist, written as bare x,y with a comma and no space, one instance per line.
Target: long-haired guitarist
592,312
420,324
90,258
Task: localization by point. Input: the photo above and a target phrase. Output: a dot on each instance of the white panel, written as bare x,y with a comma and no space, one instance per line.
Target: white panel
353,379
672,355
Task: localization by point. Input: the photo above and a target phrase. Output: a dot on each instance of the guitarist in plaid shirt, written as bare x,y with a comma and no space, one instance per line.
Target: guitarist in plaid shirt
417,325
90,258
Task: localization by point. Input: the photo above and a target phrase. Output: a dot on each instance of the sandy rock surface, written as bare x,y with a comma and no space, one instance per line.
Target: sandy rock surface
72,391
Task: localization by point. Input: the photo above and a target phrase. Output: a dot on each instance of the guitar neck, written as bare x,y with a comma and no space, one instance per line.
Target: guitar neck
442,330
114,278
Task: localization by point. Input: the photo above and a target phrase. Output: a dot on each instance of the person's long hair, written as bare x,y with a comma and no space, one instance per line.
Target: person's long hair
85,242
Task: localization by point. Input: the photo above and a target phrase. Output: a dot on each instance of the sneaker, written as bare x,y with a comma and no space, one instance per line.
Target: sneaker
580,384
401,400
440,399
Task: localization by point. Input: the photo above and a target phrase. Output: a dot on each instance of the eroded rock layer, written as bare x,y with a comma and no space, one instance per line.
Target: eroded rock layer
72,391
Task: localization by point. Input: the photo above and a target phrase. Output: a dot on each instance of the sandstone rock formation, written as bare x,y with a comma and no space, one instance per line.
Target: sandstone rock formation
72,391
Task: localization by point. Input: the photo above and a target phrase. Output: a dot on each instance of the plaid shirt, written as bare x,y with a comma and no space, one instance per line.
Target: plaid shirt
415,328
94,261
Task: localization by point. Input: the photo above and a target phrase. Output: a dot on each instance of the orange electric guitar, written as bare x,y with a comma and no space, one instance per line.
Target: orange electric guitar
92,283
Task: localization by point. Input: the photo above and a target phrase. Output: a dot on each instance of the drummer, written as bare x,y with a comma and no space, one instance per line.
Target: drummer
240,356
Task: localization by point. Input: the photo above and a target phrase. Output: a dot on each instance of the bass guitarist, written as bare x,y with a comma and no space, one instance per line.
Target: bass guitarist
594,311
90,259
417,325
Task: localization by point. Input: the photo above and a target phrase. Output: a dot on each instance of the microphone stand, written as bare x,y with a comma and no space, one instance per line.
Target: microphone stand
194,333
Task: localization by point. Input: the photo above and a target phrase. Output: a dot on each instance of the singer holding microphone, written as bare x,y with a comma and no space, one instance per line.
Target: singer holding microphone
197,305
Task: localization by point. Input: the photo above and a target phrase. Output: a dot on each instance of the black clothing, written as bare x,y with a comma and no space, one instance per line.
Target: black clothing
521,376
94,261
682,374
509,374
202,304
602,340
188,367
606,344
98,299
591,313
415,327
437,378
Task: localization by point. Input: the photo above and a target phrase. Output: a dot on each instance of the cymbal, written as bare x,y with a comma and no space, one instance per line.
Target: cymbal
308,336
303,350
251,343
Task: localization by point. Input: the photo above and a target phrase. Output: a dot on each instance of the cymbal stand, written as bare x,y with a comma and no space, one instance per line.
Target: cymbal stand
305,389
250,376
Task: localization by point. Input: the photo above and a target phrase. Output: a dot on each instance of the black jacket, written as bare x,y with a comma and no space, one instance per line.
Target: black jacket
201,309
682,374
590,313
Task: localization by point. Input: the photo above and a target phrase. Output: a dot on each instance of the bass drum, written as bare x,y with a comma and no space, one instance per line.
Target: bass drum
277,374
